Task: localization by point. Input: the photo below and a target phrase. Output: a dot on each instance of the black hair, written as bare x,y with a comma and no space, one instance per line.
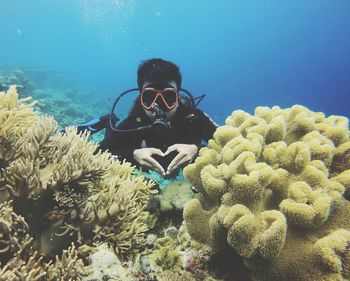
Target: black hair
158,70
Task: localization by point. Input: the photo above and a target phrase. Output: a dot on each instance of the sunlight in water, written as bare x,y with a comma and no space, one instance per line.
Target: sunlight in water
103,11
109,17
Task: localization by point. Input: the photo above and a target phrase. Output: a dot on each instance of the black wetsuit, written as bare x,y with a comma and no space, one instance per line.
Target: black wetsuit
194,129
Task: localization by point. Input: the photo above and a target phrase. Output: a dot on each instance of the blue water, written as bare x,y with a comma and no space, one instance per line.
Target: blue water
241,53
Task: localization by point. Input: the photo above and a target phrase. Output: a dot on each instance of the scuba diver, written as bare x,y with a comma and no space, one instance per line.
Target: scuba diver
164,130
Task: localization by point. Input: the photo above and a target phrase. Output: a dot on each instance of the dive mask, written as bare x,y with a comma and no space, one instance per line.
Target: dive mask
166,98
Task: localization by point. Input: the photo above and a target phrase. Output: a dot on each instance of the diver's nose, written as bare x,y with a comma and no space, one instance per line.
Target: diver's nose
160,103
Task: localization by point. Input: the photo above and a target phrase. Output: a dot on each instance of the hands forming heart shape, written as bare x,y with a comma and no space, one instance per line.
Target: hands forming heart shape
165,163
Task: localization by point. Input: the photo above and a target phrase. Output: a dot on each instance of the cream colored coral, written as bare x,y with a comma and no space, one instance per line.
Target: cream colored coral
15,114
15,247
20,270
74,191
67,267
13,232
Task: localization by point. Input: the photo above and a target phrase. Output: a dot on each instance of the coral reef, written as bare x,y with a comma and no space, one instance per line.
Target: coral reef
272,194
271,190
61,190
68,106
171,255
183,276
17,77
166,255
174,196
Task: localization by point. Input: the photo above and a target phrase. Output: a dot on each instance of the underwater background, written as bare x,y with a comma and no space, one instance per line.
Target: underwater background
242,54
267,199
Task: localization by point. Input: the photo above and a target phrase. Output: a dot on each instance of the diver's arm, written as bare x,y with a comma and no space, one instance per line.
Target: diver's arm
122,145
120,148
94,125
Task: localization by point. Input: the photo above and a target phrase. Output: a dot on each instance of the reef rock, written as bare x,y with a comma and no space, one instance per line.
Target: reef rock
175,195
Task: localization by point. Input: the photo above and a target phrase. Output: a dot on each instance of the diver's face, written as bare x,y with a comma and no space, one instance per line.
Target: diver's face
169,84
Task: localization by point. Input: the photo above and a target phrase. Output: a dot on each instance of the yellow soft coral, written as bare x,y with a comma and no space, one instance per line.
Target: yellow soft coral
332,249
306,207
270,186
194,212
249,235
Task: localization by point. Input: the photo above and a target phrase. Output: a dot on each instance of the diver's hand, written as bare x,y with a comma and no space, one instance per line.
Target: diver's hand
144,157
186,153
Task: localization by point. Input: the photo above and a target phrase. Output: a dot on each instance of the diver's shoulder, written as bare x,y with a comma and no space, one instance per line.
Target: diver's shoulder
203,115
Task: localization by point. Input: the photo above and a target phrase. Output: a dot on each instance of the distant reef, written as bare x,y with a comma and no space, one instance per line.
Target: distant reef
68,105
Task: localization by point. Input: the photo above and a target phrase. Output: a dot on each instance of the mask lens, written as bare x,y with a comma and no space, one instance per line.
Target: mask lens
170,97
148,97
